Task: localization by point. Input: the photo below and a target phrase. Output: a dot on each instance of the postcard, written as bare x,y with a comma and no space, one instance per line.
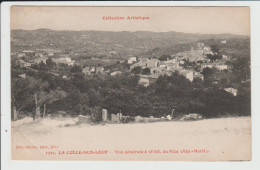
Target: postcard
115,83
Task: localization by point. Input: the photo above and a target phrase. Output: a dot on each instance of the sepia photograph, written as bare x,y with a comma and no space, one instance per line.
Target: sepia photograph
130,83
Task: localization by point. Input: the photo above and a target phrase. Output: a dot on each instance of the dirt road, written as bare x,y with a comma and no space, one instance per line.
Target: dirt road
60,138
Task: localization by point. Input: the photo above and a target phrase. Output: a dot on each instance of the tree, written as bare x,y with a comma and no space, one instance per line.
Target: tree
129,80
224,81
218,102
43,66
30,94
49,97
197,82
243,99
25,94
207,72
93,96
78,80
137,70
82,104
241,67
200,61
50,64
21,96
173,86
133,81
218,56
214,57
76,69
146,71
214,48
164,57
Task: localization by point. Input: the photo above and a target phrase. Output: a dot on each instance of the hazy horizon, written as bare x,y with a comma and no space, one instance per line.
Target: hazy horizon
190,20
130,31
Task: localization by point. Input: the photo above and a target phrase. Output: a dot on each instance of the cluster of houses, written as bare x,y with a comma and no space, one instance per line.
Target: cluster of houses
197,55
27,58
220,65
194,55
158,67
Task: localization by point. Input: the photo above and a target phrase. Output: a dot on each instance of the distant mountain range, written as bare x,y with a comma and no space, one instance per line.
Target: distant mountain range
104,42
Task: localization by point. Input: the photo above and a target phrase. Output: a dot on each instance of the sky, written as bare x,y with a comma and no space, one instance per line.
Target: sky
203,20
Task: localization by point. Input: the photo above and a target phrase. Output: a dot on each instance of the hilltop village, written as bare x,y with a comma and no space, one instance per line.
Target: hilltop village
178,63
189,64
204,80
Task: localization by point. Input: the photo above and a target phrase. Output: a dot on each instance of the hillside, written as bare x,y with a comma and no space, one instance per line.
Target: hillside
102,43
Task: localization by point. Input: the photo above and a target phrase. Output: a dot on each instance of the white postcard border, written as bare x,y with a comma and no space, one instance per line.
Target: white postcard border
7,163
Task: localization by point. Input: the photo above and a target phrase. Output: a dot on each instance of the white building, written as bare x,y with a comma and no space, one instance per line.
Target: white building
28,52
20,55
86,71
207,50
218,66
209,65
224,57
200,45
144,82
22,75
89,70
99,70
182,62
112,52
22,63
153,63
172,66
187,73
198,75
116,73
64,60
231,90
224,42
145,62
50,54
221,67
131,60
38,60
171,61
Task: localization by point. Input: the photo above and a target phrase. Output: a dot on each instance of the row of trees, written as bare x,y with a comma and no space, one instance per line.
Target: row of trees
84,95
140,70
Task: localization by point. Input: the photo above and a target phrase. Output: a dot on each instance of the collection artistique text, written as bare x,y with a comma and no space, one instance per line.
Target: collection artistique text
125,18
